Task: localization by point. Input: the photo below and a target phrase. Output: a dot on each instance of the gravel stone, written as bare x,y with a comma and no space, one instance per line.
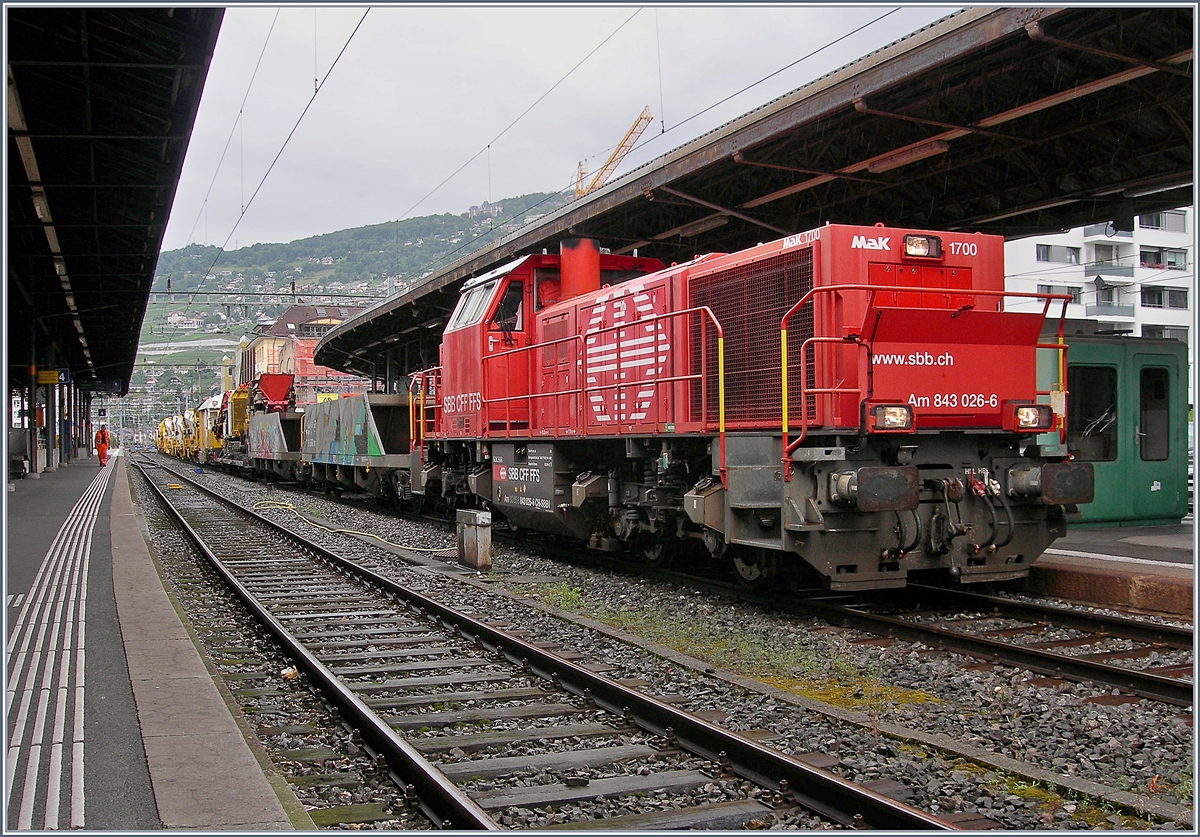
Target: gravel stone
1135,750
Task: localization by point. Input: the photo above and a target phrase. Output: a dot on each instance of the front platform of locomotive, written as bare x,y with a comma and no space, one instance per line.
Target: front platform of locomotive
907,408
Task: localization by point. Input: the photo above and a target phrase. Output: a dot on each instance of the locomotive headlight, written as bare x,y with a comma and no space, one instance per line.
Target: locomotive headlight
891,417
1028,418
923,246
1037,417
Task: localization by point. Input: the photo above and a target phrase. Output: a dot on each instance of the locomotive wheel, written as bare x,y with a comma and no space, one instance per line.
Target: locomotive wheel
752,567
659,552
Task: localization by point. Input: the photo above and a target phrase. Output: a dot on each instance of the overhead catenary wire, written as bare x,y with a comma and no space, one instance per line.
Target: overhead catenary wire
288,139
442,257
524,113
487,147
767,77
249,85
283,147
662,107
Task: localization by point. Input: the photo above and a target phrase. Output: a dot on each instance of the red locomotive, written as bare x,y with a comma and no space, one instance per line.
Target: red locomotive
852,404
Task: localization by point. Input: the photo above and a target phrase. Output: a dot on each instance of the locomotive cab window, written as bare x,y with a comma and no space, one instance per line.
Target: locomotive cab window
471,306
546,287
509,316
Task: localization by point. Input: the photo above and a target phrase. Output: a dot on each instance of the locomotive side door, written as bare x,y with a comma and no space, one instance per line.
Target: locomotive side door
558,404
506,384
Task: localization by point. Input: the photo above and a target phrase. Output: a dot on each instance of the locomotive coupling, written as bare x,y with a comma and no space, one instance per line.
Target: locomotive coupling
878,488
1057,483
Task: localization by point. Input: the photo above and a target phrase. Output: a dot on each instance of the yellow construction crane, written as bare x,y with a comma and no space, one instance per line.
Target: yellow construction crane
614,160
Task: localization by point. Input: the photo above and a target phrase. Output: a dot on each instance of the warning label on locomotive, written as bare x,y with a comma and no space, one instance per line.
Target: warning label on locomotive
523,475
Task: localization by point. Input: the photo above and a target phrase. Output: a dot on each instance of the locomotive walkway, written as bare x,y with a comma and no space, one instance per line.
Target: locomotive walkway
116,723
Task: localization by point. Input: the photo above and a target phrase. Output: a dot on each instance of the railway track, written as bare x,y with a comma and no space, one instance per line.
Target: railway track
442,698
1050,640
1047,639
1057,643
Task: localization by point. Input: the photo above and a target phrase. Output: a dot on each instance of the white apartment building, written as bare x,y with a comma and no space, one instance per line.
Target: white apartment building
1140,283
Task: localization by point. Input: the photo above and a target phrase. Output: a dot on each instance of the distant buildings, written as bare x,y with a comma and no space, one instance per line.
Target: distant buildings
286,346
1140,282
182,322
485,210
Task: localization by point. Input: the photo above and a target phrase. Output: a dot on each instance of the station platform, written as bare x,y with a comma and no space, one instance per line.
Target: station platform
116,721
1150,569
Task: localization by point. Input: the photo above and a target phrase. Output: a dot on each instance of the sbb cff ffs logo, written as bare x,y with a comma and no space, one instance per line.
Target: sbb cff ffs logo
516,473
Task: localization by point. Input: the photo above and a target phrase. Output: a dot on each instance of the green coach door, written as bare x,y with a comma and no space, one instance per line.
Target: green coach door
1127,415
1157,468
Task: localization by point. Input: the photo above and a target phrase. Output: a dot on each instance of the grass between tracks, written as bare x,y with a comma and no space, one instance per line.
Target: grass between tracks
825,668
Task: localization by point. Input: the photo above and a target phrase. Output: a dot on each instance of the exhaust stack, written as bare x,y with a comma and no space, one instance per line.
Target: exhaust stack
579,266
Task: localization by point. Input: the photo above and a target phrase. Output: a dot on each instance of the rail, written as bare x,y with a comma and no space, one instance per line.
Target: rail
825,793
443,801
874,290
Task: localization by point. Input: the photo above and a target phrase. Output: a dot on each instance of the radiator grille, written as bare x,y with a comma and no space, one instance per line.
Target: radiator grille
749,301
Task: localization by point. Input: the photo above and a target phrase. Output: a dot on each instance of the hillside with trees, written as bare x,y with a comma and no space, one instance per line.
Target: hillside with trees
360,260
191,333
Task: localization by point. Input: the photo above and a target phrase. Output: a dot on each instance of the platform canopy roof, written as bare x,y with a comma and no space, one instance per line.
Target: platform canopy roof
101,103
1008,121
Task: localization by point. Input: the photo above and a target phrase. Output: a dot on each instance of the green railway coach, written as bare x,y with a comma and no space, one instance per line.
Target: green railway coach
1127,414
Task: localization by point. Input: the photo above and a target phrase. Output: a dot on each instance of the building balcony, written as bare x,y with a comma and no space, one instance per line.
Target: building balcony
1105,230
1112,270
1109,311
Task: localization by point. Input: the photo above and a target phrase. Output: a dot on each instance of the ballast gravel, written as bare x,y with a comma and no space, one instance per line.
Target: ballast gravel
1090,765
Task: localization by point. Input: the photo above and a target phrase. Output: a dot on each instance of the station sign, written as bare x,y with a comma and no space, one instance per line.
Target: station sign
110,385
53,376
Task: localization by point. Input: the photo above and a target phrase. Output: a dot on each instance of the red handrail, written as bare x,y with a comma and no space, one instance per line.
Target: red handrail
874,290
582,391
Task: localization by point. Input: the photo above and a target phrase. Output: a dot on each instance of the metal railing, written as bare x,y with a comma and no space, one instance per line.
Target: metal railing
1057,392
532,398
425,388
423,415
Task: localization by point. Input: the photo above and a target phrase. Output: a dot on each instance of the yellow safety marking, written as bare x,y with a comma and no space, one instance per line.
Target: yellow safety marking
421,410
721,384
783,341
1062,365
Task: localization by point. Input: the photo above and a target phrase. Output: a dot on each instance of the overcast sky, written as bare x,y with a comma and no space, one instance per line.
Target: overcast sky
420,93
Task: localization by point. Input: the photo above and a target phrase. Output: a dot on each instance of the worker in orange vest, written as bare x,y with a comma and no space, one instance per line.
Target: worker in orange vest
102,445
